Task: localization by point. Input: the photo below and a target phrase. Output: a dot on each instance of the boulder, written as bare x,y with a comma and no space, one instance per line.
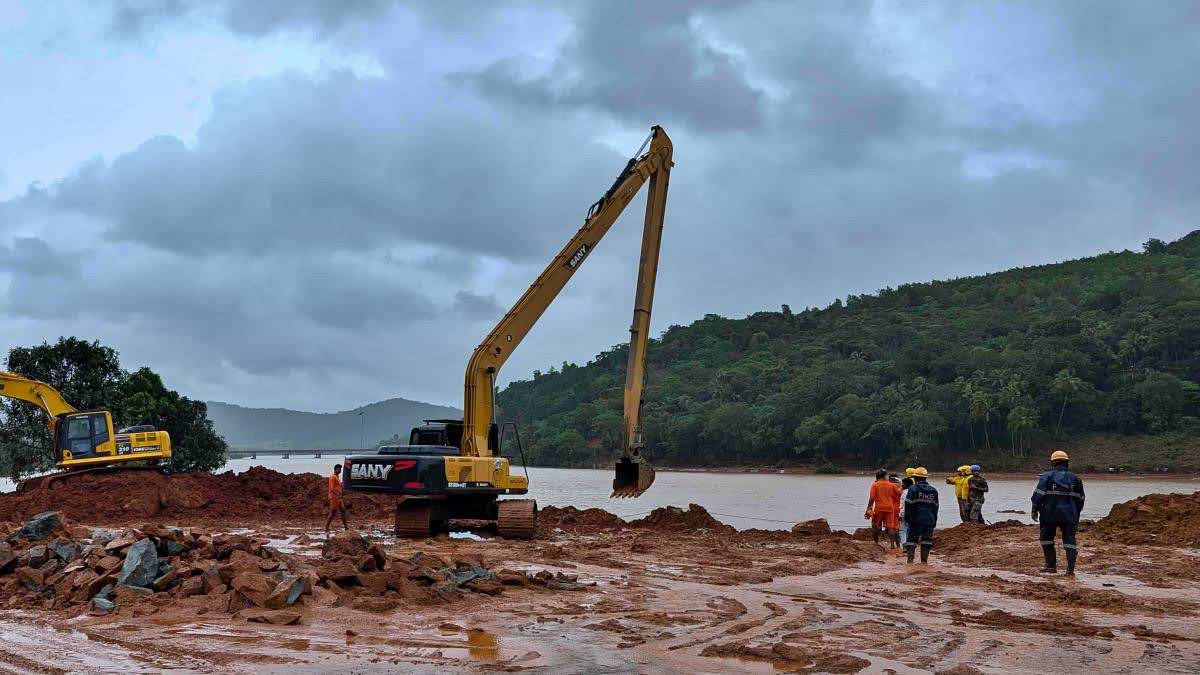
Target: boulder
812,527
101,536
347,543
486,586
340,571
31,578
380,557
365,563
141,565
107,564
375,583
37,556
278,617
50,568
41,526
128,595
287,592
164,582
65,549
102,606
124,541
175,548
8,558
373,604
255,586
192,586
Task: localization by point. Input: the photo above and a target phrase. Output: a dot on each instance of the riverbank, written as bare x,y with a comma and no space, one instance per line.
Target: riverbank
676,590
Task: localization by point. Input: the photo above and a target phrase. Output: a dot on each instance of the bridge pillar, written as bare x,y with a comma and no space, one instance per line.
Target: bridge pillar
317,455
254,455
287,455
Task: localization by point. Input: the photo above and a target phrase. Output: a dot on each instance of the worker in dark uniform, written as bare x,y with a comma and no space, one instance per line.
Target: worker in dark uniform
977,487
1057,503
920,513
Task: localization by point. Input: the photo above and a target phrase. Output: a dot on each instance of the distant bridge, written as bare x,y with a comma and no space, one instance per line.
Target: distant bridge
241,453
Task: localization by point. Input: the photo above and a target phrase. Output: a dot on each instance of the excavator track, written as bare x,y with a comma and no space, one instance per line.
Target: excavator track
516,518
63,476
414,518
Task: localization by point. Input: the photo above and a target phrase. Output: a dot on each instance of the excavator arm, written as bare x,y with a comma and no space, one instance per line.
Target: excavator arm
38,393
489,357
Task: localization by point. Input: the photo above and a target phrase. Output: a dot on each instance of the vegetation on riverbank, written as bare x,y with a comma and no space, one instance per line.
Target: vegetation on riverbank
1098,354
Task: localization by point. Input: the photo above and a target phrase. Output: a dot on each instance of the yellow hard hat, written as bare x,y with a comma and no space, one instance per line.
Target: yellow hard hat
1058,455
920,472
909,472
965,468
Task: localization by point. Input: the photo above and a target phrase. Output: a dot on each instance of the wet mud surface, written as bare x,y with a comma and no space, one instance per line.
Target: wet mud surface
676,592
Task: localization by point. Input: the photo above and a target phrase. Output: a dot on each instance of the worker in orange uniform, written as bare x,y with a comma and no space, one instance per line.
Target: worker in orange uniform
883,509
335,498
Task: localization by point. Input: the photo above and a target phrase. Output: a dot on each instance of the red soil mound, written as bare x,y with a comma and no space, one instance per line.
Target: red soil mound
972,535
675,519
1170,520
577,521
256,496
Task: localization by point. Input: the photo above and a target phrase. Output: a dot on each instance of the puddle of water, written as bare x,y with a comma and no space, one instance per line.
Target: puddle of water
484,646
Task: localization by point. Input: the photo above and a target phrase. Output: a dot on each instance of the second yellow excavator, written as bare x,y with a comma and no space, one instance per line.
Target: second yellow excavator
453,469
86,439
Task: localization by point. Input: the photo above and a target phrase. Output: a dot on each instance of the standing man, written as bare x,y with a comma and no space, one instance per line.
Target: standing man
883,506
335,498
920,511
904,485
961,491
1057,503
977,487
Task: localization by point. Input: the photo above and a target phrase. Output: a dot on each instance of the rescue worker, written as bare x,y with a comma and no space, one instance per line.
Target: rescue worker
920,511
977,487
883,506
904,485
336,505
961,491
1057,503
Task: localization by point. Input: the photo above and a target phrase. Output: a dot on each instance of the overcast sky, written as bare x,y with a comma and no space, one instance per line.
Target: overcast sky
318,204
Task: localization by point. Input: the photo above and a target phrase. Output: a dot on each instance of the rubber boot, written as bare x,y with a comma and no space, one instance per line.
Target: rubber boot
911,551
1051,565
1072,554
925,553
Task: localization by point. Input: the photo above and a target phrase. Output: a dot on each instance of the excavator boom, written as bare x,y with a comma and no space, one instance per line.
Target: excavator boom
633,475
40,394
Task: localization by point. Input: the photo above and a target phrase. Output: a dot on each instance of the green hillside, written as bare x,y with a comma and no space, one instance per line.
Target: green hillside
991,368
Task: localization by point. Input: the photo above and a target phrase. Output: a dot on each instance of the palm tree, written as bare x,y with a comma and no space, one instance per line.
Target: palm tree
1065,384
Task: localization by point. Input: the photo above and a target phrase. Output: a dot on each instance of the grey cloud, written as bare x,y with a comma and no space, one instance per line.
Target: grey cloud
641,61
33,257
340,164
477,306
132,18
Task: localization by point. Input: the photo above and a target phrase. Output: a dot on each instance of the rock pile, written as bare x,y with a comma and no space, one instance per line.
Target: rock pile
50,564
1164,519
360,575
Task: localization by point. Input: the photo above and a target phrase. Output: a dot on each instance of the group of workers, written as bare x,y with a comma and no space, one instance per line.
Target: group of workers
906,510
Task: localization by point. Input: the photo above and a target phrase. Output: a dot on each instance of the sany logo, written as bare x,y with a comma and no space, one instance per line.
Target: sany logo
370,471
578,256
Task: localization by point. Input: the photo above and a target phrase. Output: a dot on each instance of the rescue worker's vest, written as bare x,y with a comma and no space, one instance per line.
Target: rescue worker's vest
1058,497
921,504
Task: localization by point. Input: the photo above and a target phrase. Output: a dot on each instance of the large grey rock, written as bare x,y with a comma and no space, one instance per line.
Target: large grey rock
37,556
8,558
141,565
65,549
102,606
287,592
41,526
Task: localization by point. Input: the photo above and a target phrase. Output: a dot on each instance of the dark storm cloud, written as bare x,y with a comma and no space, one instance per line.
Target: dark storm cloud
131,18
341,164
476,306
641,61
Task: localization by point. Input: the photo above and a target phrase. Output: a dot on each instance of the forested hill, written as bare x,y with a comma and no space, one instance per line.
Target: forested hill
268,428
989,367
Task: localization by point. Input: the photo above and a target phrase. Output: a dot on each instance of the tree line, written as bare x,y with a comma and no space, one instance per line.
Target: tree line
989,365
89,376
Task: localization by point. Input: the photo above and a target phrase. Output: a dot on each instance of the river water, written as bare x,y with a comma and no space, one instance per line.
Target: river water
774,501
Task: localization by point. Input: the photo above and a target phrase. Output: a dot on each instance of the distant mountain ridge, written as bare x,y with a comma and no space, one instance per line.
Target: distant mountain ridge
279,428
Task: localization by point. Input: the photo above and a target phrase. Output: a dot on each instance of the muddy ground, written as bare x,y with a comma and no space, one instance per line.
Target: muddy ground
678,592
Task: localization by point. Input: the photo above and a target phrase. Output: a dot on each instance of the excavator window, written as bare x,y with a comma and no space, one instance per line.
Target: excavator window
99,429
79,436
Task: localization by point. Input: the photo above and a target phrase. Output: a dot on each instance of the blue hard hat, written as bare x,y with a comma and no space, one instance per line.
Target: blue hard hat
975,468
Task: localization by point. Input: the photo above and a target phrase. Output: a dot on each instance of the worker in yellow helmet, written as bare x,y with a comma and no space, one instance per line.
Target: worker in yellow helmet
1057,503
920,511
962,491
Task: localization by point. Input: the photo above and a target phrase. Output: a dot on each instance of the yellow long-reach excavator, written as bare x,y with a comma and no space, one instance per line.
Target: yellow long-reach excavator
453,469
84,439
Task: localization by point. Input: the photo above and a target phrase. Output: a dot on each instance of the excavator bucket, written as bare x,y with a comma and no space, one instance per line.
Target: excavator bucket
634,476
